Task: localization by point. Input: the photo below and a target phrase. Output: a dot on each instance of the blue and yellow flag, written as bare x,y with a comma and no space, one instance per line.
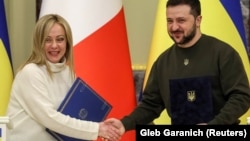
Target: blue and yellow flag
6,73
220,18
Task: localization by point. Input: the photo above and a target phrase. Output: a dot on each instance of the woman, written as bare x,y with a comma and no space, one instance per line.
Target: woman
40,86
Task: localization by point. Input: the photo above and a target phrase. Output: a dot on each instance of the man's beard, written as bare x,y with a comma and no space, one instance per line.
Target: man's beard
186,38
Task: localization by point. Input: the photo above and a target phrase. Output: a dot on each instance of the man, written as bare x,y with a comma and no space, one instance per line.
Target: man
199,79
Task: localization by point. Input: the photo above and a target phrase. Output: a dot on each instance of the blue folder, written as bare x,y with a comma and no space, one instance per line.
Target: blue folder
191,100
82,102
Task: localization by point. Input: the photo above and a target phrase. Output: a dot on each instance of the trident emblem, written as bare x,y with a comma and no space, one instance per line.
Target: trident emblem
186,62
191,96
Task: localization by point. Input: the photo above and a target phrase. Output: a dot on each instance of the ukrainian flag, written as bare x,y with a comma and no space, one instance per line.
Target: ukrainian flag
220,18
6,73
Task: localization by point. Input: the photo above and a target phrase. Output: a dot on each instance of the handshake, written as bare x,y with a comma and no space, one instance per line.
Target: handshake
111,130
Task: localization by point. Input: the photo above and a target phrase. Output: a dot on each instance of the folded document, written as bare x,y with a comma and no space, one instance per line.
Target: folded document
82,102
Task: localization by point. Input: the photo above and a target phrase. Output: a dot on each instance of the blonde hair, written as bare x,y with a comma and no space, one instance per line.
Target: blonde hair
41,31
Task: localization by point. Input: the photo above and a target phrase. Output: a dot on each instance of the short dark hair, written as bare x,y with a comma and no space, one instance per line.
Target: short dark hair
194,4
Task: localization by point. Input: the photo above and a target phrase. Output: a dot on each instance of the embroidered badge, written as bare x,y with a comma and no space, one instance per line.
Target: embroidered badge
186,61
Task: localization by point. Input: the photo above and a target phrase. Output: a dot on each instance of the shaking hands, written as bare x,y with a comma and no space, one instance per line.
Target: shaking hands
111,130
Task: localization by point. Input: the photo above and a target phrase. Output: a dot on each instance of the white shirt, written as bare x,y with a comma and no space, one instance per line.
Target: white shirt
33,103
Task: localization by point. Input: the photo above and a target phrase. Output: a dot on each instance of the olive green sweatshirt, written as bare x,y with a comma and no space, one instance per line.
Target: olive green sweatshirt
208,57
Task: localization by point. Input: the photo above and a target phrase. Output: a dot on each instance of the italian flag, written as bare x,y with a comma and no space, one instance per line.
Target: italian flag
101,50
